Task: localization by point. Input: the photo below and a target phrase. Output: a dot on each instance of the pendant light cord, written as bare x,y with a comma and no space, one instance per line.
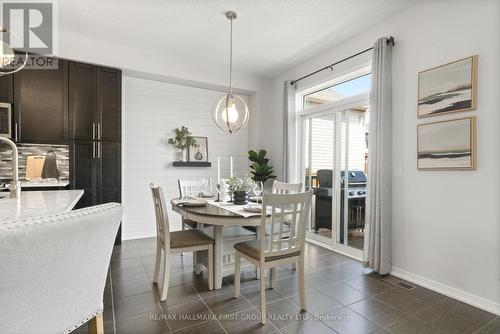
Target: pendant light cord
231,59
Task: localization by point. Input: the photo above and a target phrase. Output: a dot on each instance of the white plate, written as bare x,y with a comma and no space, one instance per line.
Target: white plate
253,208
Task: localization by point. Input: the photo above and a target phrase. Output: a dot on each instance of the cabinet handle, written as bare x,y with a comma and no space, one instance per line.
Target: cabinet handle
93,131
93,149
99,149
99,131
16,132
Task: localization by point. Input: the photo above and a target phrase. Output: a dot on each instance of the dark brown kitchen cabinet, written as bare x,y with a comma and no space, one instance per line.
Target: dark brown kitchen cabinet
82,100
109,83
41,105
95,132
7,88
84,175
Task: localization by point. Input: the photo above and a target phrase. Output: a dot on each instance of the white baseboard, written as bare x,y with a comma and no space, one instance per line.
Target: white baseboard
446,290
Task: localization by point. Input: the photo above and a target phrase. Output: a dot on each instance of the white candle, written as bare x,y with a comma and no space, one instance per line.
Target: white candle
231,167
218,170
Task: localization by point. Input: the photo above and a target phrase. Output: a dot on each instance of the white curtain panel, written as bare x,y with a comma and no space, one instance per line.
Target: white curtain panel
377,248
289,133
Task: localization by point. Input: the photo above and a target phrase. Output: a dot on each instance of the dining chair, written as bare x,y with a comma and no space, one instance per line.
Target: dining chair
53,270
176,242
273,250
191,188
286,188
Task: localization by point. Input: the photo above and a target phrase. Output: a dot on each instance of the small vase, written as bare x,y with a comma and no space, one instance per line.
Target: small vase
183,155
240,198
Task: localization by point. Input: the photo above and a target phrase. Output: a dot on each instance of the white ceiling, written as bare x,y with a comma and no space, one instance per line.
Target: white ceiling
269,35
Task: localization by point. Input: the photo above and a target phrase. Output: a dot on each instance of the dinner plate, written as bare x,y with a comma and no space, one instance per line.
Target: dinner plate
253,208
194,203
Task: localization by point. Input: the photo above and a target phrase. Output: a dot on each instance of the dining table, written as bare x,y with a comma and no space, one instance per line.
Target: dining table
220,216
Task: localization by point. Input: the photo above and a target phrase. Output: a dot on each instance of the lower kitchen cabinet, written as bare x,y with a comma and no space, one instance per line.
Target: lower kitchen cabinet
96,168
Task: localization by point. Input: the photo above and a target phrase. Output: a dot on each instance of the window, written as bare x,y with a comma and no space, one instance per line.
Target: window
339,91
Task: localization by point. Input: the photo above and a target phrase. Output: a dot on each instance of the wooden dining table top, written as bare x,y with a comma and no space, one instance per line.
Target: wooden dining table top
208,210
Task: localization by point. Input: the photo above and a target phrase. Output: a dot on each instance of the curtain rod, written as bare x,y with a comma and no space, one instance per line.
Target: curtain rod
390,40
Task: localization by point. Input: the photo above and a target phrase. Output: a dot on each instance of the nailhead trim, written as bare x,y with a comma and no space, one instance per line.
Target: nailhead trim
13,224
93,315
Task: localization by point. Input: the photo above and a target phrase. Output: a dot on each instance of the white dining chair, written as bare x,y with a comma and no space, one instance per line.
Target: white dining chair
286,188
193,188
176,242
53,270
274,249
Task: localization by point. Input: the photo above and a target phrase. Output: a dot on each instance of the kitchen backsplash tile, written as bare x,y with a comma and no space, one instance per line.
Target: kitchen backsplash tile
62,154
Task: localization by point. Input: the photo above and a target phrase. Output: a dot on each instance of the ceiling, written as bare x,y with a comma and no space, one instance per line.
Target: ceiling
269,35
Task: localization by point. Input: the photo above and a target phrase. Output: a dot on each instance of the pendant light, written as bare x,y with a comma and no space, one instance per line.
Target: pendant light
7,55
231,111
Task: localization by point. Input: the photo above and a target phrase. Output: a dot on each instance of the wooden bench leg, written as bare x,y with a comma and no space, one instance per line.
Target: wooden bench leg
96,325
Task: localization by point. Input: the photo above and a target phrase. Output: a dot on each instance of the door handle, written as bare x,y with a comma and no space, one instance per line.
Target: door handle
16,127
93,149
93,131
99,149
99,131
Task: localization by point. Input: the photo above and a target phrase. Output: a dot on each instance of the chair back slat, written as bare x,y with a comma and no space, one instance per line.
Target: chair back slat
286,188
193,187
162,223
285,209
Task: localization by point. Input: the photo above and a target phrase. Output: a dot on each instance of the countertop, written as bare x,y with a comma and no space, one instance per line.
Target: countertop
28,184
38,203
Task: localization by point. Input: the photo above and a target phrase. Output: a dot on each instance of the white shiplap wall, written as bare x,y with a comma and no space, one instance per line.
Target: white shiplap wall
151,111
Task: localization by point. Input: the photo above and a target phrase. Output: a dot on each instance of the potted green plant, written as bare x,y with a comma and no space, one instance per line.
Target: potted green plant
261,170
183,140
239,188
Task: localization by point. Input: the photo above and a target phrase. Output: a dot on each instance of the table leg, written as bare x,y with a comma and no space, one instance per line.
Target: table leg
218,249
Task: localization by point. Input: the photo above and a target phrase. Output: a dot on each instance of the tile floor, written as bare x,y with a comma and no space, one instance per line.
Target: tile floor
342,298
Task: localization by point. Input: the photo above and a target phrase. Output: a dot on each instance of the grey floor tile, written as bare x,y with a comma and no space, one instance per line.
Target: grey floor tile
426,294
410,326
368,286
252,294
308,327
448,318
342,293
378,312
188,314
289,286
403,302
226,303
467,311
284,313
492,327
137,304
179,294
208,327
318,278
317,302
123,289
345,320
246,322
151,323
248,278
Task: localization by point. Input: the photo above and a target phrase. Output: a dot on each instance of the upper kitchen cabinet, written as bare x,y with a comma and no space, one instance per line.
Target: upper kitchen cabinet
95,102
41,105
109,102
7,88
82,101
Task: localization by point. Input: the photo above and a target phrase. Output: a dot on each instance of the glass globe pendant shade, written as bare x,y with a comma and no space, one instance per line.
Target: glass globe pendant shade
231,113
6,55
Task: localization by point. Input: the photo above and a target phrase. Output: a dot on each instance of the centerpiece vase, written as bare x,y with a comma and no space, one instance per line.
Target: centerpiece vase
240,197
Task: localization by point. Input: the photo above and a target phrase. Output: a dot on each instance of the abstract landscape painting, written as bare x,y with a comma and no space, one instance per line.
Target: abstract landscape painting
447,144
448,88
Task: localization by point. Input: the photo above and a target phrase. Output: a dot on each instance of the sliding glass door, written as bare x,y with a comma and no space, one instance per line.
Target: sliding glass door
334,165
